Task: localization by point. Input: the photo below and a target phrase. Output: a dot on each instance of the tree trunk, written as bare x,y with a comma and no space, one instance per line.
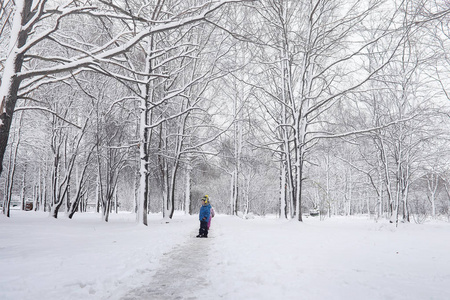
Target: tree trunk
187,197
432,185
143,169
232,194
172,188
44,195
283,187
22,193
10,83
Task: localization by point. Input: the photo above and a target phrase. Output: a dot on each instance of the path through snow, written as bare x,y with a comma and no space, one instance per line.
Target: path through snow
181,274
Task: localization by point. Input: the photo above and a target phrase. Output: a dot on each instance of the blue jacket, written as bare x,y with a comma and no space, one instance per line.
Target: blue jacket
205,212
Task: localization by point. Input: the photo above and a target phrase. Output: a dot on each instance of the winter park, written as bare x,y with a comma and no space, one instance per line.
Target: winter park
224,149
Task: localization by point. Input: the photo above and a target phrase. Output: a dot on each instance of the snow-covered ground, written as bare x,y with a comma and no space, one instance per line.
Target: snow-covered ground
261,258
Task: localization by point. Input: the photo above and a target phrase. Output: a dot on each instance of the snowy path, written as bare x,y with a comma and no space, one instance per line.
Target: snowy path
181,275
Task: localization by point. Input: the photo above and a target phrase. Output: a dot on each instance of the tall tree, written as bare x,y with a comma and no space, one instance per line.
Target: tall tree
315,51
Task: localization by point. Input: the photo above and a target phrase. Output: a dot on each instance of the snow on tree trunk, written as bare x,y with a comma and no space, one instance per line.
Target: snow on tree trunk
172,189
143,161
232,192
380,188
22,192
44,194
298,208
283,212
106,209
116,201
300,153
327,182
10,83
9,182
432,186
187,197
97,194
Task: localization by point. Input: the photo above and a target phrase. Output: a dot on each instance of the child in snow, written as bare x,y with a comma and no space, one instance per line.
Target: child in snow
204,216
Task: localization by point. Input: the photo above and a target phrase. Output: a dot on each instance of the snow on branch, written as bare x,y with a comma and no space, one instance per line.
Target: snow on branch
46,34
93,57
357,132
47,110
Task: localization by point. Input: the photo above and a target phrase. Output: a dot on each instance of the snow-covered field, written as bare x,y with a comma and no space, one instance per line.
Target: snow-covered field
261,258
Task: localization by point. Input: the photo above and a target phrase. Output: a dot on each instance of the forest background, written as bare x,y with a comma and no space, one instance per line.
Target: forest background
269,107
